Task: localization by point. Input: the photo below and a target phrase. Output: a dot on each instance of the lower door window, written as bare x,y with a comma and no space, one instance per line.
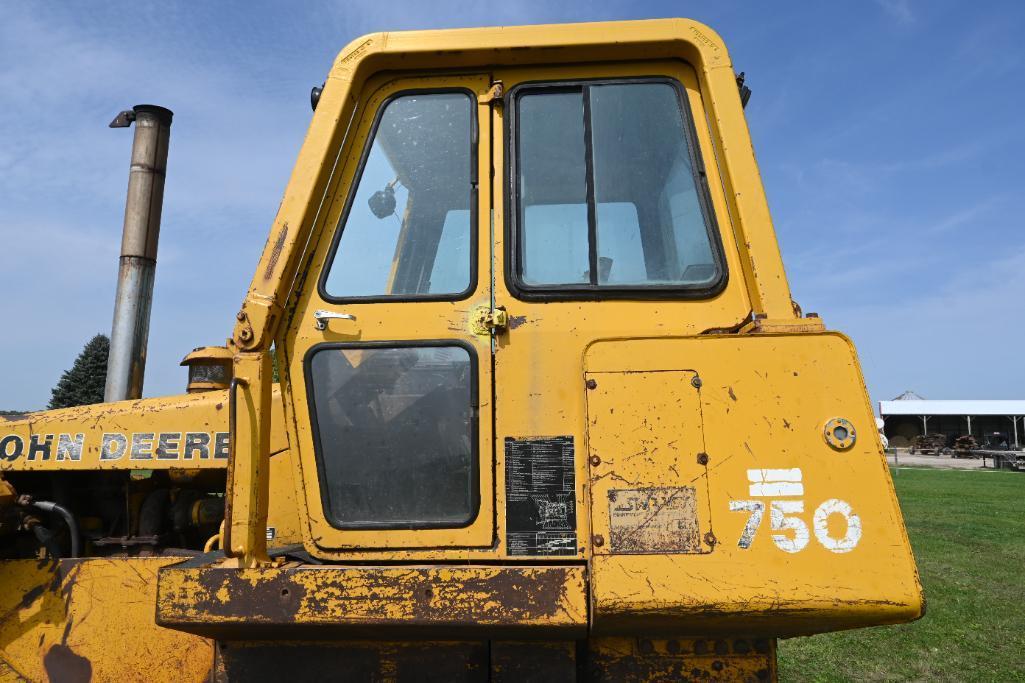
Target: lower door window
396,434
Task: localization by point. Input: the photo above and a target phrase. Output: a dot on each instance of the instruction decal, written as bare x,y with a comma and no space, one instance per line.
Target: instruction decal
540,496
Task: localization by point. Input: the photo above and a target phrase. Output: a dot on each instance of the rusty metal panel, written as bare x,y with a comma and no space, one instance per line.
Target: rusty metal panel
253,662
682,659
533,661
807,533
660,519
306,601
92,619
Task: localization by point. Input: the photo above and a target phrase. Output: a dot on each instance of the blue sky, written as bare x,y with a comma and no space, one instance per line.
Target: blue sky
888,133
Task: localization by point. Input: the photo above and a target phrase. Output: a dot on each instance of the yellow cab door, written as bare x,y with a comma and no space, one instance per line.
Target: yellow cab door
613,226
391,386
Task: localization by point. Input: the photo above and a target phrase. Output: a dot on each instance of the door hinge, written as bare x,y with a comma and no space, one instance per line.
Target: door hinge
494,94
486,320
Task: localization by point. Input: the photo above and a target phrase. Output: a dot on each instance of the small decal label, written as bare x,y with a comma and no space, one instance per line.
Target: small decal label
540,496
654,520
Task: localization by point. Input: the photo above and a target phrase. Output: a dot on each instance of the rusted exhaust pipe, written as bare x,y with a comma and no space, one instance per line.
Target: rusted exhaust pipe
126,364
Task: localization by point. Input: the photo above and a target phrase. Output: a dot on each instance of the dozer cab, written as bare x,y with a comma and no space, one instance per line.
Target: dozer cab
518,393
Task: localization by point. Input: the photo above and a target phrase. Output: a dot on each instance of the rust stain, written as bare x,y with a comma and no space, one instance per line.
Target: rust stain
516,320
654,520
417,596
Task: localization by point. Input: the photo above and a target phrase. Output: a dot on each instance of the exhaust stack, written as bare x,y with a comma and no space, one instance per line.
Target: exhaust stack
130,331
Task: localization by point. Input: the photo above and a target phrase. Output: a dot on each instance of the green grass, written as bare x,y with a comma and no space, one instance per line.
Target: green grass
968,533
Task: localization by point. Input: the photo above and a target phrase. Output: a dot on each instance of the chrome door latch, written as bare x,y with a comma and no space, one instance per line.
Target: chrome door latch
321,318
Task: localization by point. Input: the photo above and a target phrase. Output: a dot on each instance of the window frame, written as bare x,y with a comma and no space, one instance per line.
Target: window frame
354,185
513,256
475,453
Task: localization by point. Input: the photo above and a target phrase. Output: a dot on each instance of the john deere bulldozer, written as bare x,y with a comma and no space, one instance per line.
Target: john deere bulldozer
518,392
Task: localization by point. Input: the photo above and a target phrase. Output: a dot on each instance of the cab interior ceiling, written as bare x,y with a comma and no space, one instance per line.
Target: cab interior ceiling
160,512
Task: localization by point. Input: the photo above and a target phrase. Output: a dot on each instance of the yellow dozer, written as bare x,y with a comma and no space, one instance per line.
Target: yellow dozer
518,392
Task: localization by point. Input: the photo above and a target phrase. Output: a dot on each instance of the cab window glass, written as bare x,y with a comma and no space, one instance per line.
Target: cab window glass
396,435
407,231
607,192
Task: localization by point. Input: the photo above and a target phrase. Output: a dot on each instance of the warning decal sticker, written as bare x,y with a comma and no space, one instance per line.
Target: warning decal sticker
540,496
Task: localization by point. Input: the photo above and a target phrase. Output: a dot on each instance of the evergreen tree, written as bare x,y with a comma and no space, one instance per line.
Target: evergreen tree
83,384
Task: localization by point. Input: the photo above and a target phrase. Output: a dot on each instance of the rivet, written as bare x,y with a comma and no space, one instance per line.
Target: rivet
241,315
599,541
710,539
595,461
673,647
591,384
717,665
702,458
695,382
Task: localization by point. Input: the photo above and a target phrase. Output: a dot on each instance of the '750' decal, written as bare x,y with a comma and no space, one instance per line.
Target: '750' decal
790,532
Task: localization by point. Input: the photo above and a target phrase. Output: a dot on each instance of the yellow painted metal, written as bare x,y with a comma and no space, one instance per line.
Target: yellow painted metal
91,620
248,487
204,413
830,551
298,601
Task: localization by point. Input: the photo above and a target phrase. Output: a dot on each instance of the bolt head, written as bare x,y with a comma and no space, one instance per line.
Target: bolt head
591,384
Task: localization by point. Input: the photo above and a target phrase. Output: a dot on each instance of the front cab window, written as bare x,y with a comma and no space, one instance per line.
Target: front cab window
406,232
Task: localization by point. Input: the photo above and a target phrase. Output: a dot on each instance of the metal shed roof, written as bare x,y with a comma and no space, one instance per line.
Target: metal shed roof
967,407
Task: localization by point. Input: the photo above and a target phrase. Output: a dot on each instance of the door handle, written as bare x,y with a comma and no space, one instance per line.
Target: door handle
321,318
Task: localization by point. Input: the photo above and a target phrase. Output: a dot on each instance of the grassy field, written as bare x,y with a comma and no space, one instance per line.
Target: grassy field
968,533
